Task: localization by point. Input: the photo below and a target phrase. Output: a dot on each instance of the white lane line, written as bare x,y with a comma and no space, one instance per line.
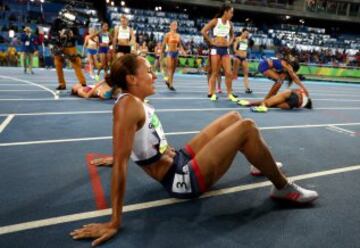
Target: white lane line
39,142
164,202
6,122
31,83
341,130
21,90
43,99
256,90
64,113
160,111
248,98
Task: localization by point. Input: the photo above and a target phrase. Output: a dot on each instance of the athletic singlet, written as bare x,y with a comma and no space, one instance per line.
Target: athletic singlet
123,34
150,141
173,39
221,30
277,65
243,45
92,43
104,38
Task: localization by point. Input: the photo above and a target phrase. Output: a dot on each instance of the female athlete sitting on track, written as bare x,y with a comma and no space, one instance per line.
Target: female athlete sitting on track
101,90
184,173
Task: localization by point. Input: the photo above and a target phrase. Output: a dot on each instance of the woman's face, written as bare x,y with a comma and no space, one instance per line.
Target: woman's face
105,27
245,34
145,77
229,14
173,26
123,21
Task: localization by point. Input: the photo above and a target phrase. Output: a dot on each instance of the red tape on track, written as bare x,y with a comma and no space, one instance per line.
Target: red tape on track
95,179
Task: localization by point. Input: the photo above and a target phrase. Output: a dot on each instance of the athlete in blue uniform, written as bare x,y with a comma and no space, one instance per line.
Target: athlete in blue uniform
278,70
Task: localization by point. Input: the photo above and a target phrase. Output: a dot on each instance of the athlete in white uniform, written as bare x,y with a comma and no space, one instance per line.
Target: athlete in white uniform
124,37
185,173
241,46
223,37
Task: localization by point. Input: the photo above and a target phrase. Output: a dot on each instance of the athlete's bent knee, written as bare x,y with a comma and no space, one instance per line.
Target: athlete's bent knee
235,115
248,124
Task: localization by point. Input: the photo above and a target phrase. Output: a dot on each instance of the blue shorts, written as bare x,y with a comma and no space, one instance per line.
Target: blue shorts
183,179
263,66
221,51
242,59
103,49
172,54
92,51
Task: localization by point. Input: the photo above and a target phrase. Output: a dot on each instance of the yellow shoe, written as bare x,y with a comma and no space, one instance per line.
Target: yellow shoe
213,98
259,109
233,98
243,102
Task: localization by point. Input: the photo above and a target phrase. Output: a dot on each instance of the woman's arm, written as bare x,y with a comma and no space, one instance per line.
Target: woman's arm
85,44
123,137
236,42
205,30
132,37
116,30
163,45
294,77
231,40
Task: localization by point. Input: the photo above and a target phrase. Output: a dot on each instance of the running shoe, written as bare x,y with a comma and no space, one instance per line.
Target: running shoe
172,88
243,102
294,193
97,77
213,98
257,173
61,87
233,98
248,91
259,109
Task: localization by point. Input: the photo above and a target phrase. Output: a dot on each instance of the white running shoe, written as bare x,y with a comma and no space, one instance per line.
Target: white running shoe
294,193
256,172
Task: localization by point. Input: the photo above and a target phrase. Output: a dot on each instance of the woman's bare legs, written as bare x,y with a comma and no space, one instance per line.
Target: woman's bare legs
277,99
216,146
245,69
226,63
215,70
236,65
276,86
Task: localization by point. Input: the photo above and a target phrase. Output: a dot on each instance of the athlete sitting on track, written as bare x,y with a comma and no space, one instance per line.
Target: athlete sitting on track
184,173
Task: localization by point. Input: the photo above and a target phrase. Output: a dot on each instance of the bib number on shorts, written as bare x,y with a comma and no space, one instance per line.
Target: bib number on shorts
213,51
182,183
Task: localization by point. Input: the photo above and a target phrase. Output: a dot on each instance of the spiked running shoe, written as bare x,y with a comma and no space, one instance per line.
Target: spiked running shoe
213,98
233,98
294,193
243,103
259,109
